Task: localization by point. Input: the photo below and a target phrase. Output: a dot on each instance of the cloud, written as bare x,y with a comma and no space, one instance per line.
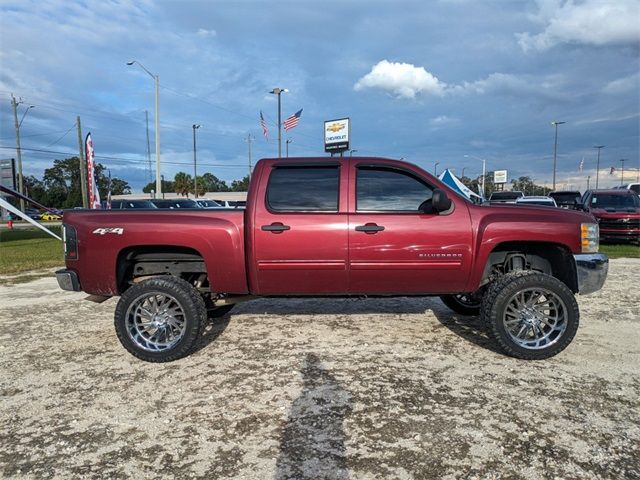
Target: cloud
623,85
204,33
403,79
443,121
550,87
593,22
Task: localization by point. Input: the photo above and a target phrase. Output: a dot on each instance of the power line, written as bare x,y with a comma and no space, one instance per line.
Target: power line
124,160
64,135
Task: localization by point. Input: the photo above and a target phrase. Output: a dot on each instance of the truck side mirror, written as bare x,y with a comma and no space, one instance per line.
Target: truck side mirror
440,200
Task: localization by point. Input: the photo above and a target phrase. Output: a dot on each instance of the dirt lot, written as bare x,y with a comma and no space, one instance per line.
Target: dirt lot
319,388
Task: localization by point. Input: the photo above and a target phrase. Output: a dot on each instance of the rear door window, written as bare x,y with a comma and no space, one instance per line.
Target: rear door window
304,188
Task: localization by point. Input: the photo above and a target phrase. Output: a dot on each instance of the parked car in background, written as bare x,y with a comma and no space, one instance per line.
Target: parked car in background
50,217
175,203
124,203
617,212
206,203
567,198
539,200
634,187
505,197
232,203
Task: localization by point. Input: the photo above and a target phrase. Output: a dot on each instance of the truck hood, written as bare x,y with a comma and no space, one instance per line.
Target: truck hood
613,213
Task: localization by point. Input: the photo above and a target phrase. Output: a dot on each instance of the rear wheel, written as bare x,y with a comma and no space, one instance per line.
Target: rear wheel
531,315
463,303
160,319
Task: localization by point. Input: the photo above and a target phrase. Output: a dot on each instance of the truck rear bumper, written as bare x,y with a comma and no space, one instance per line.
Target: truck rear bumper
592,271
68,280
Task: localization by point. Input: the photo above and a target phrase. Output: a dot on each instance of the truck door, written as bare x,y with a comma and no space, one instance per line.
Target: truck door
394,248
300,232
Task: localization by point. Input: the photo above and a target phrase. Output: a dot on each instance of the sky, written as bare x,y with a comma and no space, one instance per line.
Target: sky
448,82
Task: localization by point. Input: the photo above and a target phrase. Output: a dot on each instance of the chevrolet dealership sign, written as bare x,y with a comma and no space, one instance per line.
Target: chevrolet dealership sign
336,135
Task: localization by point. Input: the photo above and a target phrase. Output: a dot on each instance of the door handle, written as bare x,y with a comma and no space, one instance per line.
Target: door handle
276,227
369,228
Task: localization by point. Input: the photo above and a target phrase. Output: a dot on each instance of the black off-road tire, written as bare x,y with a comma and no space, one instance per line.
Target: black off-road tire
458,305
495,302
193,311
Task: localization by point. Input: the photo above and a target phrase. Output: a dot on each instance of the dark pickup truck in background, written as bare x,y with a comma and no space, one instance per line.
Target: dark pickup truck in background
337,226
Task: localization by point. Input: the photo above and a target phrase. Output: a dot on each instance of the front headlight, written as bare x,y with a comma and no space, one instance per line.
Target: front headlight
590,237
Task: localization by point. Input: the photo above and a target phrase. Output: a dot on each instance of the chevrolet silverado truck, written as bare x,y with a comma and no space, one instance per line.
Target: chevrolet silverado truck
617,212
337,227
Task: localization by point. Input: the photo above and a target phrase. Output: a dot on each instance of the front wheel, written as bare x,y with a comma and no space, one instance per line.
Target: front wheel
531,315
160,319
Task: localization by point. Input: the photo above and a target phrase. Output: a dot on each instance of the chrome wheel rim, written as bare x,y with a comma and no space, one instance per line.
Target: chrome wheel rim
468,300
155,321
535,318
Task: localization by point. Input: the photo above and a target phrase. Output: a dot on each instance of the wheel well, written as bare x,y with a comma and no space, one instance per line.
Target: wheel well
148,261
550,258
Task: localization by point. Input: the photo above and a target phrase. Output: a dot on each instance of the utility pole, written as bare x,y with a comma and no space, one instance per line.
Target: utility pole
149,174
588,181
249,138
555,151
83,167
599,147
195,173
622,160
14,104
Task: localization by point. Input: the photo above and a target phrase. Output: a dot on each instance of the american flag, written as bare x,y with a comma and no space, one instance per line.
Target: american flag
612,171
293,120
263,124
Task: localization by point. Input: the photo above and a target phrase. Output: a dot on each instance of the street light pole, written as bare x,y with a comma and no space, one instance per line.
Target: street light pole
622,160
435,169
599,147
555,151
195,171
157,104
287,145
484,172
278,91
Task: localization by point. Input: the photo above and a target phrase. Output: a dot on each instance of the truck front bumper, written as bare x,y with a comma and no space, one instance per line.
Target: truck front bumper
592,269
68,280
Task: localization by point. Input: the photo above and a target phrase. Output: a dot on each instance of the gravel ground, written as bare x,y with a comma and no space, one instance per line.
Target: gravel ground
318,388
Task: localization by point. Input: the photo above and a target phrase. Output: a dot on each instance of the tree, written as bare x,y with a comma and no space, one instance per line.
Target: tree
240,185
167,186
62,184
211,183
183,184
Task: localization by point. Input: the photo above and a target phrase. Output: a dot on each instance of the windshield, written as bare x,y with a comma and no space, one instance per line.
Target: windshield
135,204
505,195
208,203
566,197
617,202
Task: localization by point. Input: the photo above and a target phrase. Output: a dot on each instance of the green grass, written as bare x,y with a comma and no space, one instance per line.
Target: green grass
620,251
29,249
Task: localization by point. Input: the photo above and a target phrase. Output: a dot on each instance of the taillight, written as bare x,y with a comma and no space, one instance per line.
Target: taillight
70,241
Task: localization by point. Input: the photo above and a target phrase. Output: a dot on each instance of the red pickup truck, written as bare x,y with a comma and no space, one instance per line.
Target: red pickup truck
337,226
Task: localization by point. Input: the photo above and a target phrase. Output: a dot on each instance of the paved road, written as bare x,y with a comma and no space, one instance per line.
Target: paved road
318,388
